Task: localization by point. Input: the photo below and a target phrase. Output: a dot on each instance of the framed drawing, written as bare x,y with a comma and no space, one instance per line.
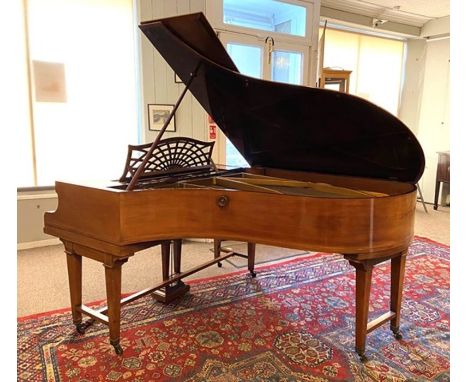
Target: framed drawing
158,114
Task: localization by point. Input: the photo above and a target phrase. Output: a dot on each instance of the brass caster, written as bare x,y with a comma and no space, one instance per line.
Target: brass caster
81,327
396,332
118,349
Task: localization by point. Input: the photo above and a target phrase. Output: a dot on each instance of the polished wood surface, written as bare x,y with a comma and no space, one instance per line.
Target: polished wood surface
443,174
365,225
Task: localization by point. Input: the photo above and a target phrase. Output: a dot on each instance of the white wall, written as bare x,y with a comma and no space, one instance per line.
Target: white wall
434,120
158,78
425,97
411,96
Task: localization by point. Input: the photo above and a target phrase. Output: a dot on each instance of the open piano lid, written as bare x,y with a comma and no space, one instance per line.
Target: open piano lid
286,126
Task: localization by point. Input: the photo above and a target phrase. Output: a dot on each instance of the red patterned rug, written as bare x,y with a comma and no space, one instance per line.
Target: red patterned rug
293,322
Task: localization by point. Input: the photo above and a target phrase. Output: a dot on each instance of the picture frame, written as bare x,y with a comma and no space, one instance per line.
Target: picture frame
177,80
157,116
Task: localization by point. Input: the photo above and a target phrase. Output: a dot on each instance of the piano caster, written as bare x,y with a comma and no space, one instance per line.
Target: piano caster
118,349
397,333
363,357
253,274
82,326
220,265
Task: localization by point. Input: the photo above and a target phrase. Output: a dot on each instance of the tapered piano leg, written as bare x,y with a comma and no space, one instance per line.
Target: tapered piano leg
251,258
397,276
113,273
363,287
177,245
217,250
165,259
74,266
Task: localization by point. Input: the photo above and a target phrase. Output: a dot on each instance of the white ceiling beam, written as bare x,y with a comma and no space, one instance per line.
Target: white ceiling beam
436,28
402,30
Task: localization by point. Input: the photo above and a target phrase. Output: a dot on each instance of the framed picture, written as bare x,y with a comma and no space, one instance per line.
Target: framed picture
158,114
177,80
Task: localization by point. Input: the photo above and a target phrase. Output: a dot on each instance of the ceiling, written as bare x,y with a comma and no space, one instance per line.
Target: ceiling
409,12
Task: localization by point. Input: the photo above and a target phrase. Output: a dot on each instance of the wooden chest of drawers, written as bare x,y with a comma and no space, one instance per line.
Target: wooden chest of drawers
443,174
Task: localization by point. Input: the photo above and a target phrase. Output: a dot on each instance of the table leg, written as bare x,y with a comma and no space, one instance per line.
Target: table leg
74,266
113,289
217,250
363,287
397,276
251,258
436,197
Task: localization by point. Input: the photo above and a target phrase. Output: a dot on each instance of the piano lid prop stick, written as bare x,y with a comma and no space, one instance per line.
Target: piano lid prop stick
140,169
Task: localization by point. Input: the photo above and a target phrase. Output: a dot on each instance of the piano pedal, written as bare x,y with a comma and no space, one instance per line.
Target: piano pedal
170,293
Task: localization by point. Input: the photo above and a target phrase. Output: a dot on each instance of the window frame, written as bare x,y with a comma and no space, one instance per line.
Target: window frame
214,13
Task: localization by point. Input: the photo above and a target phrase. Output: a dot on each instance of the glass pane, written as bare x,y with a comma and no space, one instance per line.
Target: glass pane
248,59
267,15
85,112
287,67
233,156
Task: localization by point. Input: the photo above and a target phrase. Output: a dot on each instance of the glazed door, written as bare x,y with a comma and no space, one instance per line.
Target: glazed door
261,58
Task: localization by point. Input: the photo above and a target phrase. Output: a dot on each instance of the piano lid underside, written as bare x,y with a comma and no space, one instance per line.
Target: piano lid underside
286,126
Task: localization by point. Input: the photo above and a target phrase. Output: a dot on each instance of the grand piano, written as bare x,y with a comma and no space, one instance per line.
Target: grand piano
328,172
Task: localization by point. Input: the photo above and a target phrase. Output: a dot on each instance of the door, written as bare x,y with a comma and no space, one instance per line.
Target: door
261,58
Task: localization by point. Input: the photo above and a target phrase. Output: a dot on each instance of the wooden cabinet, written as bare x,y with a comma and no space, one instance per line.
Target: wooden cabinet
443,174
335,79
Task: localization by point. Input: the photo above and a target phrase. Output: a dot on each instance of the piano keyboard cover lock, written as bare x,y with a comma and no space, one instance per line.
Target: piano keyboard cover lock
328,172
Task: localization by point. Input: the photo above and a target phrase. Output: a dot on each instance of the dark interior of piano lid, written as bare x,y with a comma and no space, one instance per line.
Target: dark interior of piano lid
286,126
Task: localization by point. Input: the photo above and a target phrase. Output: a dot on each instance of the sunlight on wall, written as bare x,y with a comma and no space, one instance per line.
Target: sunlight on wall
86,135
376,65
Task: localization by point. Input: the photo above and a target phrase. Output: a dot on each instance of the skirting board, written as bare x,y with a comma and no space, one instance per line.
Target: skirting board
37,244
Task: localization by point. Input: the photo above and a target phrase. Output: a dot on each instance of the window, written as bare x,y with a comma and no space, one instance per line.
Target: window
267,15
376,65
287,67
83,90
